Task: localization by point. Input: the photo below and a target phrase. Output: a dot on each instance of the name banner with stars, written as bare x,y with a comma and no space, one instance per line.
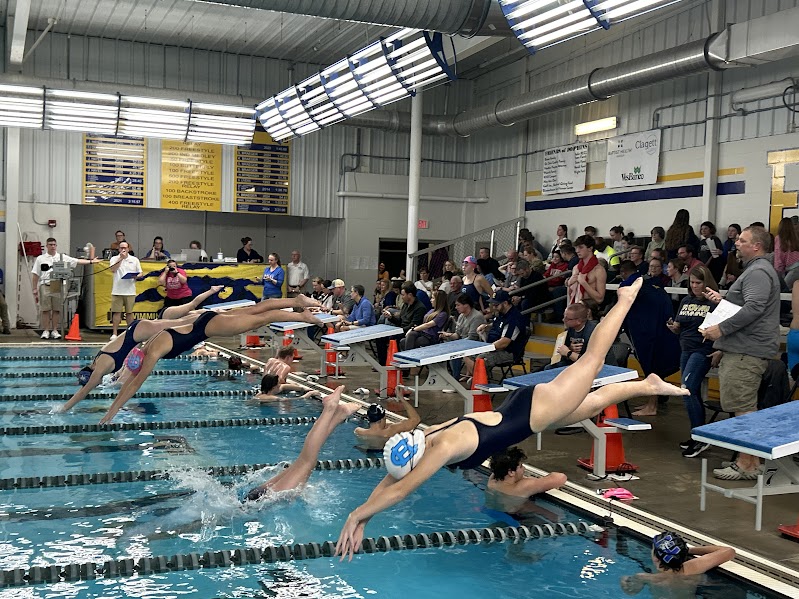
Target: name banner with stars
262,176
114,170
191,176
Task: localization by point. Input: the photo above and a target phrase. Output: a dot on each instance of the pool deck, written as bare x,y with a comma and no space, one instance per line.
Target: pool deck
669,484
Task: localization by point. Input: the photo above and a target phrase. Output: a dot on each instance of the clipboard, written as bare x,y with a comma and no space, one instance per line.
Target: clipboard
131,275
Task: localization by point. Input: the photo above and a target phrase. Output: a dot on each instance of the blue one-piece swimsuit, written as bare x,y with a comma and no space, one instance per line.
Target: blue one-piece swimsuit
184,342
513,428
128,343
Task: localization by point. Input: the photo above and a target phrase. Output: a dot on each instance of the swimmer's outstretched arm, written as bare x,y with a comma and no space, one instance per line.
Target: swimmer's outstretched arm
387,493
94,380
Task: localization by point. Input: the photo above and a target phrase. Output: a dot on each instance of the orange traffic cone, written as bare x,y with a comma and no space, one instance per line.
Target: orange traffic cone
482,401
288,337
253,341
330,354
394,374
614,448
74,330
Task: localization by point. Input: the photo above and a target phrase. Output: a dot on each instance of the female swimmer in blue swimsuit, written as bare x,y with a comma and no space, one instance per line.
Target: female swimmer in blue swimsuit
171,342
467,441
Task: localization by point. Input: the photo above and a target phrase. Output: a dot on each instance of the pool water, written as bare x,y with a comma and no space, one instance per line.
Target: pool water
194,512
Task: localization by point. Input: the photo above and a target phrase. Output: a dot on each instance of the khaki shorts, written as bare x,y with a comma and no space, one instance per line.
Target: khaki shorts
122,303
495,358
739,381
49,301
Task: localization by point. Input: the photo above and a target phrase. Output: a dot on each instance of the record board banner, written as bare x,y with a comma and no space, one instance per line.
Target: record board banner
114,170
262,176
191,176
564,169
633,159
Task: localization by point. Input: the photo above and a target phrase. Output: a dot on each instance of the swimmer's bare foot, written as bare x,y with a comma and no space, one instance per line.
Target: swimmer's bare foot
645,411
344,410
331,401
306,316
629,294
303,301
661,387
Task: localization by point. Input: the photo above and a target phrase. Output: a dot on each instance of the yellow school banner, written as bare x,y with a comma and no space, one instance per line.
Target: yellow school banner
191,176
241,281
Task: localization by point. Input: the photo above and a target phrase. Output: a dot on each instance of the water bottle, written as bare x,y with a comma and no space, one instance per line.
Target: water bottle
220,256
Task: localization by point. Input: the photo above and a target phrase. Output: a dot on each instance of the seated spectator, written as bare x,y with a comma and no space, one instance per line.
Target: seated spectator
713,258
658,242
489,267
381,289
319,291
560,235
342,301
540,250
410,315
618,239
591,231
532,296
433,323
512,256
157,252
196,245
579,328
424,298
686,253
119,238
382,273
603,250
455,289
175,281
786,252
362,313
760,224
556,266
569,256
636,256
676,273
733,231
524,236
656,273
424,283
506,333
661,254
469,320
246,253
511,281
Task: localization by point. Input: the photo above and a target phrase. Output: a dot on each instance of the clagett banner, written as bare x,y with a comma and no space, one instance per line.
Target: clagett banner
633,159
241,281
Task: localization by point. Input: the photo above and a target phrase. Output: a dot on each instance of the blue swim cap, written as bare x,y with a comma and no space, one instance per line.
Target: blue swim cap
375,413
669,547
84,375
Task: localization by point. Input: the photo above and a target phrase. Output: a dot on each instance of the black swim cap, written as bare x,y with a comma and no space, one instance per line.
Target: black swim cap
375,413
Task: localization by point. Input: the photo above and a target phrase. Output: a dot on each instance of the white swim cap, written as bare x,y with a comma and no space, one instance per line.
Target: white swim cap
402,453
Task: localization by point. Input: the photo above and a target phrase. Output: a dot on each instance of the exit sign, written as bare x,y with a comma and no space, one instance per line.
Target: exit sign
423,223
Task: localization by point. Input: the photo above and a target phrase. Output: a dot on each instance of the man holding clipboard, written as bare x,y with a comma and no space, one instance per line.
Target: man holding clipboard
126,270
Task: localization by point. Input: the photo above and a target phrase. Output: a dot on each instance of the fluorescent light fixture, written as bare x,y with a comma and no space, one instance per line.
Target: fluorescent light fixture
606,124
81,111
542,23
215,123
151,117
21,106
383,72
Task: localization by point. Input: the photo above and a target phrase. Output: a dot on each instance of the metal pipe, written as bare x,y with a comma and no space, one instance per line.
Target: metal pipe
414,182
400,196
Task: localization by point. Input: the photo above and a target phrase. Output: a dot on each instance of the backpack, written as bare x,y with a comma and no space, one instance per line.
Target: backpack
774,388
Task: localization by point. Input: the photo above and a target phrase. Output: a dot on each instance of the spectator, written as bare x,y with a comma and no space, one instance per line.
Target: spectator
157,252
786,252
455,290
424,298
695,350
196,245
511,281
569,255
126,270
450,270
321,293
506,333
687,254
475,284
556,266
732,236
560,235
656,273
617,235
711,250
590,231
760,224
47,293
747,339
381,289
489,267
433,323
532,296
273,277
119,238
677,273
636,256
579,328
342,302
382,273
524,237
588,277
680,233
4,315
468,321
603,250
658,242
661,254
410,315
424,283
362,313
297,275
175,281
246,253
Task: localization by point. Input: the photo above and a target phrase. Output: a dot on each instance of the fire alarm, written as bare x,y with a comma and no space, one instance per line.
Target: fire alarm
51,224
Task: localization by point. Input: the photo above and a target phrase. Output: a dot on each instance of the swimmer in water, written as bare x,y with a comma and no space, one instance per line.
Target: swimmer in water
201,351
271,387
508,489
281,364
678,567
380,430
467,441
334,412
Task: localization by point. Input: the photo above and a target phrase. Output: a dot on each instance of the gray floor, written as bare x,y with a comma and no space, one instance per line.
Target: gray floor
669,483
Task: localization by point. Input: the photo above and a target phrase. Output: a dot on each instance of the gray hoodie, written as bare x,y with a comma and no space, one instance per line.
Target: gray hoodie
755,329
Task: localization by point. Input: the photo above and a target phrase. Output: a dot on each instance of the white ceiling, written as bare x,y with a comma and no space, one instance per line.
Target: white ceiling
196,24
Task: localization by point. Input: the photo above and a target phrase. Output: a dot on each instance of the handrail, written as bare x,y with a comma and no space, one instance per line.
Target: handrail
784,297
444,244
544,305
562,273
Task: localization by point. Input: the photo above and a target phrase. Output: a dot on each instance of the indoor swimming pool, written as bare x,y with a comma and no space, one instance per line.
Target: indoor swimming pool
183,529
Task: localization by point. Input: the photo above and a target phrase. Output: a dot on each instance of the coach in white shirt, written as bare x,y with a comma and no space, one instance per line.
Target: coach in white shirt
123,291
297,275
48,300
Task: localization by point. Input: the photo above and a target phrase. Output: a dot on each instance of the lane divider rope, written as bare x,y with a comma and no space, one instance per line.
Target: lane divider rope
281,553
132,476
57,429
59,374
139,395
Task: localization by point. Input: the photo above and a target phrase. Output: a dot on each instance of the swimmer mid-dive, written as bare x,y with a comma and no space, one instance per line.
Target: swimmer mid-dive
465,442
380,430
334,412
172,342
271,386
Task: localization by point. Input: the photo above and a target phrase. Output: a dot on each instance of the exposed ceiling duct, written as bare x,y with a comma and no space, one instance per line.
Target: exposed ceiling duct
463,17
730,48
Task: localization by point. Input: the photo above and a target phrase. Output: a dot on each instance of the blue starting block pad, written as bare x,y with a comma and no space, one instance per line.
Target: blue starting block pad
229,305
327,318
362,335
628,424
608,375
282,327
771,434
443,352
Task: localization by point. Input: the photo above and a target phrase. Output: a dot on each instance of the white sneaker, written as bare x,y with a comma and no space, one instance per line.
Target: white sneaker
45,334
55,335
112,337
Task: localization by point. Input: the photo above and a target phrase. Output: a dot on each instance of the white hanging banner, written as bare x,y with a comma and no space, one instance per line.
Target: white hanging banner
633,159
564,169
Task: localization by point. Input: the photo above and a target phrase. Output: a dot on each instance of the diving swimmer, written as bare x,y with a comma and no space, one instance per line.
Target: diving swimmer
465,442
